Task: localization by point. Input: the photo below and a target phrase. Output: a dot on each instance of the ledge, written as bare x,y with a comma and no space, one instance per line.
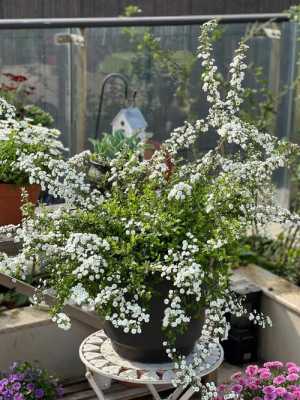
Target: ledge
27,317
273,286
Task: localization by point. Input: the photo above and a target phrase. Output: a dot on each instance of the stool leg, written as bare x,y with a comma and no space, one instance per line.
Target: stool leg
176,394
188,394
94,386
154,392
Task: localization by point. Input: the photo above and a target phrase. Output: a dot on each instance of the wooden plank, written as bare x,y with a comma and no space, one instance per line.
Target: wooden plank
83,395
79,95
171,7
79,389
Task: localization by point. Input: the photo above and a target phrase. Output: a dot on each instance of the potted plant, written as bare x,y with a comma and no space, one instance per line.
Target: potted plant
17,90
27,382
152,253
273,380
26,154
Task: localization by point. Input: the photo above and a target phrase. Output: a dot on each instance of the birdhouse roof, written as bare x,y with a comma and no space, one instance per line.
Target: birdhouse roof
133,116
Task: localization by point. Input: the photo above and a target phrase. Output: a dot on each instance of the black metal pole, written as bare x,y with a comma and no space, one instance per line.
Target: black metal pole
114,75
38,23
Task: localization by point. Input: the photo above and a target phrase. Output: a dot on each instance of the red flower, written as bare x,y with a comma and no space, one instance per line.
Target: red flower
19,78
15,78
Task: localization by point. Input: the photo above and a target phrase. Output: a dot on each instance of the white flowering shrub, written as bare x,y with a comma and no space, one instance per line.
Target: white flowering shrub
162,220
26,150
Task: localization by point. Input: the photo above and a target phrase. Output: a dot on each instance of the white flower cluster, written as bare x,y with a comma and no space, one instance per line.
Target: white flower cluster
176,260
187,371
44,165
259,319
62,320
237,67
79,295
186,276
91,268
7,111
44,143
16,266
180,191
185,136
174,315
128,315
81,246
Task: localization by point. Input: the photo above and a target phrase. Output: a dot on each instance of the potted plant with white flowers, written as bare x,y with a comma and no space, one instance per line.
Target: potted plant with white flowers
23,148
152,253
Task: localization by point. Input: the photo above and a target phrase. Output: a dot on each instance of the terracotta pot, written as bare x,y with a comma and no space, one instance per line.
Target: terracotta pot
147,347
10,202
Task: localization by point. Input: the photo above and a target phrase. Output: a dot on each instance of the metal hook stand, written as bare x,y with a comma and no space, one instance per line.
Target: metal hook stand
106,79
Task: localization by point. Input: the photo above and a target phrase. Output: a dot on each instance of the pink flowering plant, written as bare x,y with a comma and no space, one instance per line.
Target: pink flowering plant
27,382
274,380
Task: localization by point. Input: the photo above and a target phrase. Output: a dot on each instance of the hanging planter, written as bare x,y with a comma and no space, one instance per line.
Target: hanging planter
147,347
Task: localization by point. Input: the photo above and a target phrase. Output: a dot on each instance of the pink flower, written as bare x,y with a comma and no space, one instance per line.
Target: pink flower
289,396
292,377
271,396
279,380
241,381
296,393
263,370
273,364
269,389
252,386
236,388
294,370
292,388
221,387
264,375
236,376
280,391
251,370
257,398
291,364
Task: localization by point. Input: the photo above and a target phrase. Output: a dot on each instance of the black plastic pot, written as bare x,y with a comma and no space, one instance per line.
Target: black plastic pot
147,347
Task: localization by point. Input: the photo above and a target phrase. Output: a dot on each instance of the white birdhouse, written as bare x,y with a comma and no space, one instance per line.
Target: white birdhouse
131,121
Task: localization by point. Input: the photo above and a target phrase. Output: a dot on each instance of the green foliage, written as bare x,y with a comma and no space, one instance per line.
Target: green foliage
176,66
154,225
259,103
17,92
131,11
11,299
9,154
36,115
280,255
110,144
294,13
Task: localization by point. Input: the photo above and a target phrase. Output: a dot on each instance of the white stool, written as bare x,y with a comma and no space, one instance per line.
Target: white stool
103,364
